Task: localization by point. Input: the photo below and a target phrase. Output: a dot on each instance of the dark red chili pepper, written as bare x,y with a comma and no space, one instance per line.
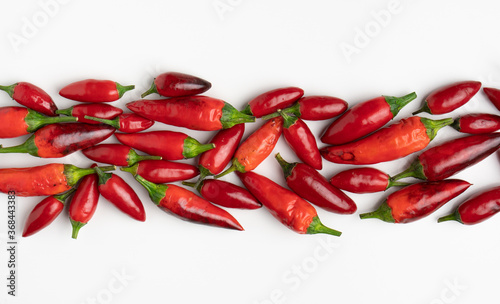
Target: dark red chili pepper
450,97
450,157
193,112
169,145
477,123
315,108
364,180
162,171
364,118
45,212
494,96
61,139
119,193
407,136
286,206
115,154
98,110
93,90
417,201
271,101
32,97
128,122
174,84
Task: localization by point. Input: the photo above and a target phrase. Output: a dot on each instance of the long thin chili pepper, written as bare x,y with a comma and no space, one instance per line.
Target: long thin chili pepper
314,108
174,84
31,96
493,95
115,154
364,180
94,90
477,123
271,101
98,110
162,171
127,122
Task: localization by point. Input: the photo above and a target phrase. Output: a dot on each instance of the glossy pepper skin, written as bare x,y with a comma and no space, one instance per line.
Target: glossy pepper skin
271,101
315,107
127,122
115,154
169,145
493,95
364,180
417,201
201,113
477,123
31,96
162,171
94,90
364,118
400,139
286,206
174,84
61,139
98,110
450,97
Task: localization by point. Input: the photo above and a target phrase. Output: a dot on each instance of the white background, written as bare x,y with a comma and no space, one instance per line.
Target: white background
245,48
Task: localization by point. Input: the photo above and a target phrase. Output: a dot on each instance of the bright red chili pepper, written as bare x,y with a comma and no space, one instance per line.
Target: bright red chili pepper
286,206
315,108
61,139
364,180
193,112
450,97
98,110
169,145
127,123
494,96
162,171
364,118
477,123
174,84
407,136
115,154
31,97
417,201
272,101
93,90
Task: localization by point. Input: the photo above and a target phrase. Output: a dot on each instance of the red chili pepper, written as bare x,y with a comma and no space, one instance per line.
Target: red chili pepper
162,171
450,97
31,97
193,112
271,101
61,139
169,145
115,154
476,209
98,110
315,108
407,136
119,193
417,201
174,84
45,212
364,180
364,118
128,122
494,96
477,123
93,90
286,206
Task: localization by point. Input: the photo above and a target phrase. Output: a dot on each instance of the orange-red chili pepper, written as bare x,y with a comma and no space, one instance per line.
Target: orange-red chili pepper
31,96
93,90
174,84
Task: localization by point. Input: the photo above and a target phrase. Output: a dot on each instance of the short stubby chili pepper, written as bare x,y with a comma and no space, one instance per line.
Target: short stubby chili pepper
493,95
451,157
175,84
364,118
314,187
31,96
450,97
162,171
201,113
94,90
98,110
476,209
477,123
417,201
364,180
61,139
115,154
287,207
127,122
314,108
45,212
114,189
18,121
169,145
272,101
400,139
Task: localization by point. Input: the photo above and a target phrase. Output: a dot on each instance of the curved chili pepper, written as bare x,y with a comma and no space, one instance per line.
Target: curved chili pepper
315,108
162,171
364,118
476,209
174,84
364,180
128,122
93,90
119,193
271,101
31,96
169,145
407,136
98,110
493,96
417,201
201,113
477,123
450,97
115,154
61,139
286,206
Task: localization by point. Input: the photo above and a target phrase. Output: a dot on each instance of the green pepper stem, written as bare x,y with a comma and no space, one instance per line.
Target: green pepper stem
229,170
383,213
130,169
74,174
433,126
449,217
317,227
156,191
67,112
192,147
62,197
231,117
288,120
397,103
35,120
425,108
151,90
396,184
76,226
133,157
122,89
415,170
9,89
285,166
103,177
115,123
27,147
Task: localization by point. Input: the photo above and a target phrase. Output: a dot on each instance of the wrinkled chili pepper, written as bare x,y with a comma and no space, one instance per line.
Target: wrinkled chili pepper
32,97
162,171
450,97
201,113
364,180
407,136
61,139
93,90
174,84
314,108
98,110
364,118
493,95
478,123
169,145
271,101
115,154
416,201
286,206
127,123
